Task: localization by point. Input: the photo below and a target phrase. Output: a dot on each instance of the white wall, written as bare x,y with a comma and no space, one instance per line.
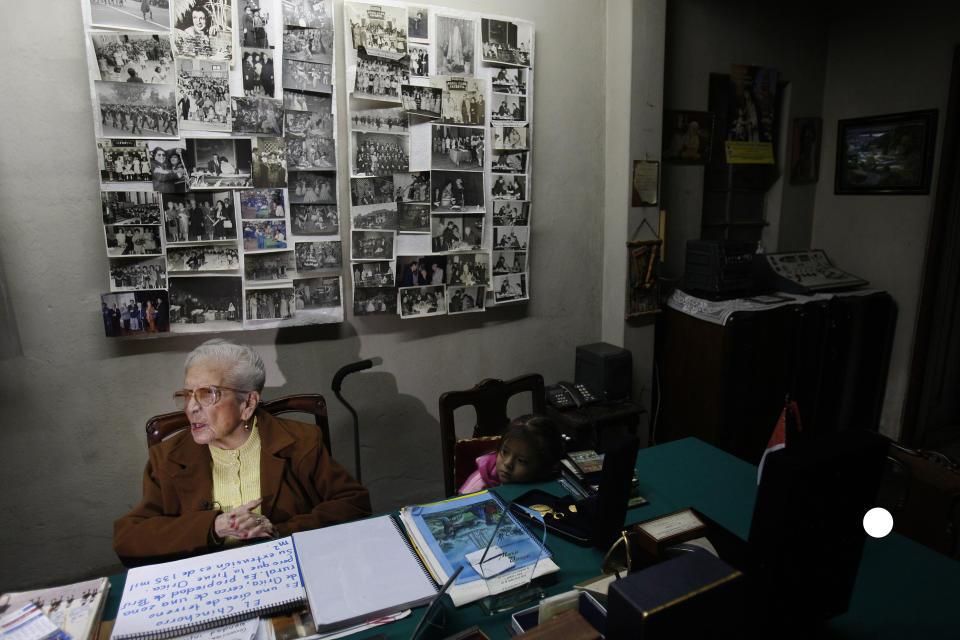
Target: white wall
71,439
884,61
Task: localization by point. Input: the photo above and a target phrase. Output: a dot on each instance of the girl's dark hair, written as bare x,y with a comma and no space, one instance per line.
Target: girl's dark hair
541,432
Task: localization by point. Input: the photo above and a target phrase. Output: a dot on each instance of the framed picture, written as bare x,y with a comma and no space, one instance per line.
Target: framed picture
687,136
805,150
890,154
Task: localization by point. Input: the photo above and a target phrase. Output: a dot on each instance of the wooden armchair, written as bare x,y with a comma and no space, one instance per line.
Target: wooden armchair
161,427
489,399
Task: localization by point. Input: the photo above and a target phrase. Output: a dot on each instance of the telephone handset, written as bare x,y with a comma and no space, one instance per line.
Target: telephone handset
570,395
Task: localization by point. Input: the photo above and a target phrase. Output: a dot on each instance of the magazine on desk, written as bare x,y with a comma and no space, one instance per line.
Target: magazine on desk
445,532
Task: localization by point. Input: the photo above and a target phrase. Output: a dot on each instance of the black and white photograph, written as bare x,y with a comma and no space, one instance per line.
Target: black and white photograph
203,94
373,274
378,29
506,42
300,101
130,207
316,14
509,80
371,245
390,120
317,293
421,101
261,203
130,14
505,107
312,187
508,261
269,267
200,216
374,301
509,187
464,100
259,76
310,45
260,235
137,274
205,257
510,237
379,79
418,24
203,29
168,170
511,287
219,163
413,217
269,162
456,232
421,302
374,216
465,299
135,313
459,191
314,219
468,269
508,161
134,57
510,138
324,255
508,213
123,161
253,116
457,148
137,109
371,190
307,76
310,143
205,303
380,154
419,61
132,240
270,304
455,46
254,23
412,187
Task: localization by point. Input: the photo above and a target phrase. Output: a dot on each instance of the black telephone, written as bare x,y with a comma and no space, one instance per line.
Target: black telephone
570,395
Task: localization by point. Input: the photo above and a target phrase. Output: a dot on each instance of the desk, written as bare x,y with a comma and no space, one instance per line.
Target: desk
589,427
903,590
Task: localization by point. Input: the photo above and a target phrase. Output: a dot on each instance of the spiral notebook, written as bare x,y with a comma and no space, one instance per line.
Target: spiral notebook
349,573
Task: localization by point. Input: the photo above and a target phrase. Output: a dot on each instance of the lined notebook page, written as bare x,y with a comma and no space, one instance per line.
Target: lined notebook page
175,598
360,570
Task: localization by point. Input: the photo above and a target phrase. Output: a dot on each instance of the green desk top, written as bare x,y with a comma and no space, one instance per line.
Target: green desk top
903,589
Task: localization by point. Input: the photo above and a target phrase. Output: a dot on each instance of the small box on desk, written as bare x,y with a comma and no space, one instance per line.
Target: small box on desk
692,595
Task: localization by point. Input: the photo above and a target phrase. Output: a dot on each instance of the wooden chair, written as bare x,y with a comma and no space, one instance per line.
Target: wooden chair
489,399
161,427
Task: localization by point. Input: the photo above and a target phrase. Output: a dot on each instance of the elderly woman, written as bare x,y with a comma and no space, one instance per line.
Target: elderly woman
239,474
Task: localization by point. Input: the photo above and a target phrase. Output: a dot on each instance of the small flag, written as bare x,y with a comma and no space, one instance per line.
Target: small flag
778,439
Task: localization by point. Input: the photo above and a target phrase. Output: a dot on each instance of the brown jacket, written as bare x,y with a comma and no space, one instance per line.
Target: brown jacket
303,487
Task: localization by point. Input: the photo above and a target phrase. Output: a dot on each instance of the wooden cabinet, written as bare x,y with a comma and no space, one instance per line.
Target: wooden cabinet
726,384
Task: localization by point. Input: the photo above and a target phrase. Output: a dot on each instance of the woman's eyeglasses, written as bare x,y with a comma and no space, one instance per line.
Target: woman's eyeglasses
205,396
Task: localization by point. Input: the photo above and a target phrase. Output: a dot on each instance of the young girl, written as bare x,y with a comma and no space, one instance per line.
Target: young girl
528,452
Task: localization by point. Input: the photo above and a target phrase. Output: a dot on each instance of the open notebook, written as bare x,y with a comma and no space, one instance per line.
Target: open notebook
348,573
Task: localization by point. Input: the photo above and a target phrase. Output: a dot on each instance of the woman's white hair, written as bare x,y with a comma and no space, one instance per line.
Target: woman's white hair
242,367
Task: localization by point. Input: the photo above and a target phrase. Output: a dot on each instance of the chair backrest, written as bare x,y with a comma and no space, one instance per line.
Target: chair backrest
489,399
161,427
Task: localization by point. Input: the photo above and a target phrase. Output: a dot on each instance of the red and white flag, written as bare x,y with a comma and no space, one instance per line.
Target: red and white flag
778,439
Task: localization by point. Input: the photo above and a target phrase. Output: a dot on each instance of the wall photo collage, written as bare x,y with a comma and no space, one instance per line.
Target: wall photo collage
216,136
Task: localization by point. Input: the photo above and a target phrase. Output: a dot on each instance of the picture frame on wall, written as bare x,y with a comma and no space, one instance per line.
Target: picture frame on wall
887,154
805,150
687,137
